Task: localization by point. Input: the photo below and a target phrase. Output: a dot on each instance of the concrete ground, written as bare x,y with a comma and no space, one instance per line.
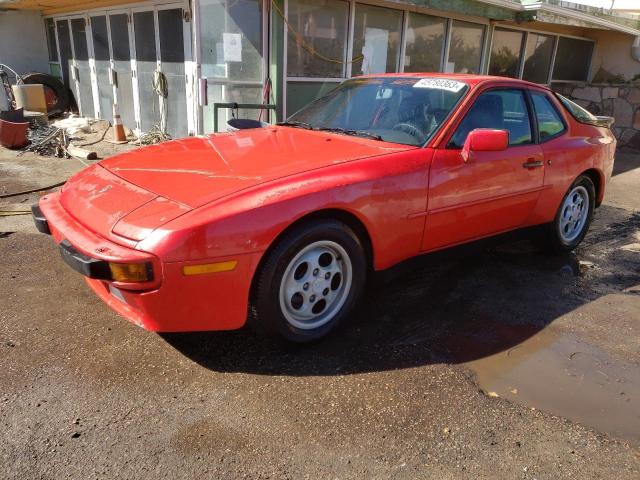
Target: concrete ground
493,361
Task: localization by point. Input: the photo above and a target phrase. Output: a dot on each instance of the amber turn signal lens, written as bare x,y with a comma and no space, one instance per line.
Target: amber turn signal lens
209,268
130,272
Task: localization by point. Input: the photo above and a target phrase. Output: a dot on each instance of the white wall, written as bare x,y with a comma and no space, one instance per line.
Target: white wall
23,43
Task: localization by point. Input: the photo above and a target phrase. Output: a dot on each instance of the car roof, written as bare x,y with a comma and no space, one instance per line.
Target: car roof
471,79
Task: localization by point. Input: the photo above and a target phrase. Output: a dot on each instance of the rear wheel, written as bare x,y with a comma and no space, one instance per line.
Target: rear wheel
574,216
310,281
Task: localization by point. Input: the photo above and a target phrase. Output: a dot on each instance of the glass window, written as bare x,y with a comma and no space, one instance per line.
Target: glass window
376,39
572,59
231,39
317,38
579,113
65,48
55,70
50,28
100,38
171,36
78,31
425,43
465,49
499,109
549,122
400,110
300,94
120,37
506,48
537,59
231,93
144,26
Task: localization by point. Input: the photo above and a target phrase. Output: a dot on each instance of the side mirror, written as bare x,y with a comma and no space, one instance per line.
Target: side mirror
484,140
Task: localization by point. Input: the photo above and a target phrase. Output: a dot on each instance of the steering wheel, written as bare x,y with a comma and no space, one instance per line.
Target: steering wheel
409,128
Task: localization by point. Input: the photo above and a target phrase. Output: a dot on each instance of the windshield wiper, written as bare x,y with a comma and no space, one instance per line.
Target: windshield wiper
355,133
293,123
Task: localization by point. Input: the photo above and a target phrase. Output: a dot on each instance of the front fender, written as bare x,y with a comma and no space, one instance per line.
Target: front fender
385,193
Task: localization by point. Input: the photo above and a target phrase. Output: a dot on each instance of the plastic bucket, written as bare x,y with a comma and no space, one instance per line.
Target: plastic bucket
13,135
15,116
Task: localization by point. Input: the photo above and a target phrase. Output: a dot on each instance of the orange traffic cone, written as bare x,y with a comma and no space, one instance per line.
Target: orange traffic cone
118,129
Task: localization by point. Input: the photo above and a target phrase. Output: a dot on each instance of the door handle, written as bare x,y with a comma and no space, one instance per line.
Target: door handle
531,163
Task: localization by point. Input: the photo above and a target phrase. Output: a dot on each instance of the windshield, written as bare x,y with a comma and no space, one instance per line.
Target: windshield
400,110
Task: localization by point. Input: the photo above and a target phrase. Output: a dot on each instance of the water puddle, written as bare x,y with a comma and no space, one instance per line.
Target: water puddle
563,375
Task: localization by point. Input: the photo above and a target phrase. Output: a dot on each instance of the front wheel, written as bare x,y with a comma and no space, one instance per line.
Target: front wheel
309,281
574,216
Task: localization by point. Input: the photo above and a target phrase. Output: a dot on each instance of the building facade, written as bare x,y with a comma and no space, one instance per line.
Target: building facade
169,62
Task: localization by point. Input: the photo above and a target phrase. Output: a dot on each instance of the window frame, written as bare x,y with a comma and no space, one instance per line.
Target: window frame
552,76
528,105
405,10
565,129
485,47
50,62
552,59
445,38
522,51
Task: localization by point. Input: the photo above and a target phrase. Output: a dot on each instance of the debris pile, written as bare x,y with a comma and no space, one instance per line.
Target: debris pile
48,141
55,139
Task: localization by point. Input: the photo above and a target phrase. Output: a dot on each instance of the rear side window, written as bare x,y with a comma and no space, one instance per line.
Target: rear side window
549,122
497,109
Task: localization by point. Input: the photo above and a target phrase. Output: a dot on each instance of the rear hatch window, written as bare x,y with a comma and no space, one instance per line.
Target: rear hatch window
583,115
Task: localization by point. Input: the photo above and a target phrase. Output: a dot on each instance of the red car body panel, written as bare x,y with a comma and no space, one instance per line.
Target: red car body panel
173,302
229,197
196,171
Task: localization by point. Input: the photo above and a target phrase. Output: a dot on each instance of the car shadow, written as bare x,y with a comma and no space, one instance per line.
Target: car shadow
625,161
448,307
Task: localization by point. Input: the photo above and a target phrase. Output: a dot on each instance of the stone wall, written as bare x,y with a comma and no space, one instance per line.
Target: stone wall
621,101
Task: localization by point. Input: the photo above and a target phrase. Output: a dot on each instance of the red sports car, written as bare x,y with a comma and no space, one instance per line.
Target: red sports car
281,225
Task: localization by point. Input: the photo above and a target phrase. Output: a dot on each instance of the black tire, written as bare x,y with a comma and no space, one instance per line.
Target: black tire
56,87
554,239
265,309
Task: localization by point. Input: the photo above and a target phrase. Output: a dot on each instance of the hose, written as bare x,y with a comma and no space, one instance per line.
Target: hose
15,74
299,39
161,88
39,189
104,134
13,213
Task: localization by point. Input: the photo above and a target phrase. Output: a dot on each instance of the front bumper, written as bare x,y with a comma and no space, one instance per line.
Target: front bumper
172,302
88,266
39,219
84,264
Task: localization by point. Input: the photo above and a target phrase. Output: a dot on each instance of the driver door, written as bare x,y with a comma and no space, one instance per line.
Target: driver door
494,191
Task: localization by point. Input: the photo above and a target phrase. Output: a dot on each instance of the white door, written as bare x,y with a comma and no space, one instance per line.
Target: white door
161,48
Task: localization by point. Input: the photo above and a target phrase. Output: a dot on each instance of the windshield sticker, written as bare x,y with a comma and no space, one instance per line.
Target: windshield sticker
440,84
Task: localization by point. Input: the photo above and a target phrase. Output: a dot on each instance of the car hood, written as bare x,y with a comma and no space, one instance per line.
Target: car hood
130,195
195,171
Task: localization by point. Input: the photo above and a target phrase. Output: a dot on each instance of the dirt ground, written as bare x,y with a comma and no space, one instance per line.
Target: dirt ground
491,361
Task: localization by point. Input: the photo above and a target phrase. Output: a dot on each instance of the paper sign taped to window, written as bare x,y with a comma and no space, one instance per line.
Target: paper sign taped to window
439,84
374,51
232,47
